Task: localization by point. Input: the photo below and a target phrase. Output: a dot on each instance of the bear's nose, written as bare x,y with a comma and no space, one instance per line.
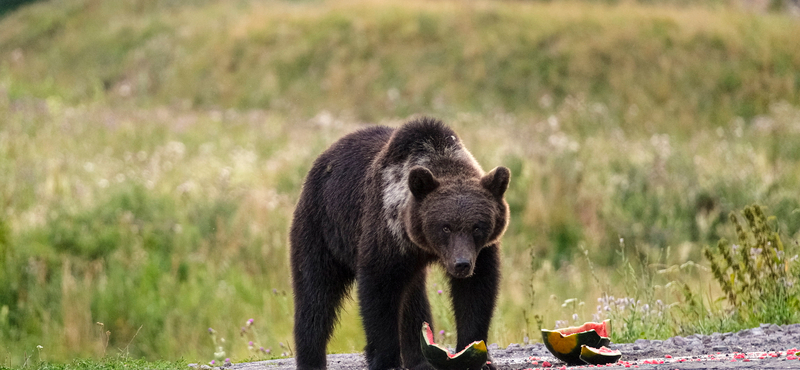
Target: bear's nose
462,266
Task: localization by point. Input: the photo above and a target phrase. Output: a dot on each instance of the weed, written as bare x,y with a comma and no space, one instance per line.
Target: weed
105,337
250,335
219,348
756,273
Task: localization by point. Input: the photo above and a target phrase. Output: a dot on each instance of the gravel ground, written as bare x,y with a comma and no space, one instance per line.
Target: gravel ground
764,347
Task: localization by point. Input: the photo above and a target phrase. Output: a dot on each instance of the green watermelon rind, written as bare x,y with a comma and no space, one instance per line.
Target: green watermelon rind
473,357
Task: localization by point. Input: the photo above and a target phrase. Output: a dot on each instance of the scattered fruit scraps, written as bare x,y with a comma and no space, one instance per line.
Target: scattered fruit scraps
788,355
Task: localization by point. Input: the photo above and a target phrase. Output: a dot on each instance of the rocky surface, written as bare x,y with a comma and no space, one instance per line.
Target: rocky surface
765,347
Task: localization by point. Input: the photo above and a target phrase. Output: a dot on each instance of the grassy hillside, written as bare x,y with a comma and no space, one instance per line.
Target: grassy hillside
682,68
151,153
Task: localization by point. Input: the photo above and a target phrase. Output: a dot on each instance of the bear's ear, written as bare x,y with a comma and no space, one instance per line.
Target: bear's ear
496,181
421,182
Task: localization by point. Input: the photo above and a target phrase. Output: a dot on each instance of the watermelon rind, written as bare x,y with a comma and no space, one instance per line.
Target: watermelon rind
567,347
593,356
472,357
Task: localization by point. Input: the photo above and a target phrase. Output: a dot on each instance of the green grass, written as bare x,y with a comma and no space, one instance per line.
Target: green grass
151,154
680,67
103,364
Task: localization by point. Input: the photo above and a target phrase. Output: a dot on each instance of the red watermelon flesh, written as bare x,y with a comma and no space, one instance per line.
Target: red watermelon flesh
606,350
600,327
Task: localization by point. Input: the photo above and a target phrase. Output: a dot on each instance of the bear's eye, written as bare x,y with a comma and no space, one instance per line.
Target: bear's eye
476,230
446,229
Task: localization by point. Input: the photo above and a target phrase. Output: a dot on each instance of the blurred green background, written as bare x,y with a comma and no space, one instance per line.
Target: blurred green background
152,151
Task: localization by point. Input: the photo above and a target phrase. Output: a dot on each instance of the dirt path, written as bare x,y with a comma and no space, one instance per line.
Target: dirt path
765,347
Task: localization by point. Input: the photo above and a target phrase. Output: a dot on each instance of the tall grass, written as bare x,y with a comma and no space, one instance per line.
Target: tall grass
151,154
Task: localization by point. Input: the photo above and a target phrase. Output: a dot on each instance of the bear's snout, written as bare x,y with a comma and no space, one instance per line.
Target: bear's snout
462,268
461,257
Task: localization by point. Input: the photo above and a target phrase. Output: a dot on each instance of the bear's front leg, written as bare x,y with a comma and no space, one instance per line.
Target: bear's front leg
474,298
380,290
416,310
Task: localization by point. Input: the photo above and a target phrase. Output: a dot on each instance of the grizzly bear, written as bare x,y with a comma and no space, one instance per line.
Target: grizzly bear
377,208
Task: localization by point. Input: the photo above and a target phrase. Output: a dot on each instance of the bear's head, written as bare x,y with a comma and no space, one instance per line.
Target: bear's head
455,217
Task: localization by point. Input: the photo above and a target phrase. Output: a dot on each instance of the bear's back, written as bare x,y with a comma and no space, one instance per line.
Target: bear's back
334,191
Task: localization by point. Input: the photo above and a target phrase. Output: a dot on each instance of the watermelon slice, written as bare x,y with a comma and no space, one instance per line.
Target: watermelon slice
599,356
566,343
473,357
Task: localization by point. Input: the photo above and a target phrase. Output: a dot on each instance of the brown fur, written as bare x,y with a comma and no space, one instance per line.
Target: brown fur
378,207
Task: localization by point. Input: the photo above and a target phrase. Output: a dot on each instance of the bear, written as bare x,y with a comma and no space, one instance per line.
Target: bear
377,208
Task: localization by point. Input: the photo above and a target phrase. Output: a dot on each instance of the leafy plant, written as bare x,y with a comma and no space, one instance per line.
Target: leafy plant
755,273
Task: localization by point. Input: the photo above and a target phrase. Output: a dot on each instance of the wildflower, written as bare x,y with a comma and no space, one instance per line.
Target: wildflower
249,323
210,331
574,317
213,362
227,361
441,332
439,291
